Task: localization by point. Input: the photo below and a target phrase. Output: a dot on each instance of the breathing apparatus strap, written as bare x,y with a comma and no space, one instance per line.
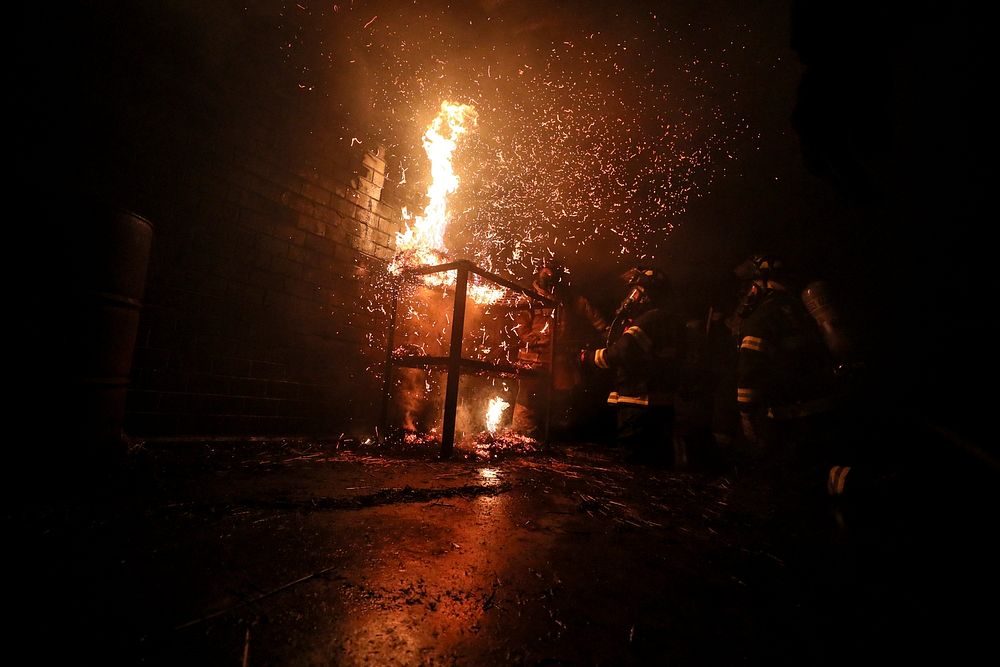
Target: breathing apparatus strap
617,327
753,297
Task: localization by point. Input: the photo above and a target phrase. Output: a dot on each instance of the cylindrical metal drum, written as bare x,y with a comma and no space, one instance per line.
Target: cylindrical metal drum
109,254
818,299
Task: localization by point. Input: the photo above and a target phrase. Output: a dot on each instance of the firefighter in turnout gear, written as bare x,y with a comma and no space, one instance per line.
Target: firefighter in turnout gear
787,388
579,323
643,352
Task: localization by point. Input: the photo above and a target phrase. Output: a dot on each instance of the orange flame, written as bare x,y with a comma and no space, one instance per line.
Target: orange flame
494,412
482,293
422,242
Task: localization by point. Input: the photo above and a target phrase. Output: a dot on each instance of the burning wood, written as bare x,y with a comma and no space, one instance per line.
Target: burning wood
421,439
484,446
507,443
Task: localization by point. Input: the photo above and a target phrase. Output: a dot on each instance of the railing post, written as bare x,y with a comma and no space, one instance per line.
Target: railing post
454,363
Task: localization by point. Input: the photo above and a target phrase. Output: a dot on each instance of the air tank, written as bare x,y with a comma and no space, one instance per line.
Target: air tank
819,300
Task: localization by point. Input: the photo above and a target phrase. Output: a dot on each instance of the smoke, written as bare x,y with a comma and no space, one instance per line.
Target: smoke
598,125
413,391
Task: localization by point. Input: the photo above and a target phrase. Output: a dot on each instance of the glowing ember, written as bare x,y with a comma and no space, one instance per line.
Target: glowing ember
507,444
494,412
422,439
482,293
593,141
422,242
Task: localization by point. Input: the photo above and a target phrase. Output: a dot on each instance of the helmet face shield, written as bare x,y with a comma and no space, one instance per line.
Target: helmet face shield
643,285
751,299
634,300
637,295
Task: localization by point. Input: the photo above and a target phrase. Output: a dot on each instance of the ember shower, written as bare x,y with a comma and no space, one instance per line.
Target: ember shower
596,127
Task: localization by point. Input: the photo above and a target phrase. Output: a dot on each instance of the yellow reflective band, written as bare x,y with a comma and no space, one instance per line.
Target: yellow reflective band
837,479
599,359
640,337
752,343
614,398
746,395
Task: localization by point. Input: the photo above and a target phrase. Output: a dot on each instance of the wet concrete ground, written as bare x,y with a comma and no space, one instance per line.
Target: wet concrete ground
309,553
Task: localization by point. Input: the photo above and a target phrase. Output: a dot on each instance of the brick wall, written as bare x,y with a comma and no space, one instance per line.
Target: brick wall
255,320
261,314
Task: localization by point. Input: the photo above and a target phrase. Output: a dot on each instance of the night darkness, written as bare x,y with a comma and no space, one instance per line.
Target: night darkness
847,136
690,134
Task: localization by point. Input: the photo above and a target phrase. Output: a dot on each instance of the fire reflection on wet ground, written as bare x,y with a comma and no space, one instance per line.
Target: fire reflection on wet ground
324,553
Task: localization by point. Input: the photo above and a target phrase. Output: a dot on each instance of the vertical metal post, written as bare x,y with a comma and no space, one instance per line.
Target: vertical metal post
454,364
394,287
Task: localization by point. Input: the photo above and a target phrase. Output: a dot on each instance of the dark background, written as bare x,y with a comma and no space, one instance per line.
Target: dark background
863,162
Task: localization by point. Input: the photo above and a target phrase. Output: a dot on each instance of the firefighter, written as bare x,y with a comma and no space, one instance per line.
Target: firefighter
787,389
579,323
643,353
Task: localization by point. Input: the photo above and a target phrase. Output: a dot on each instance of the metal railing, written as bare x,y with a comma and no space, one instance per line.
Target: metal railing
454,363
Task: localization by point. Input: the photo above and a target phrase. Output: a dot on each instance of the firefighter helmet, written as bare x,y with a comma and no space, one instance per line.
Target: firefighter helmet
648,278
761,266
755,272
645,285
550,275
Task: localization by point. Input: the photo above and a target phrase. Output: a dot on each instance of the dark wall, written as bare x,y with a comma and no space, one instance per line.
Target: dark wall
272,212
890,111
258,315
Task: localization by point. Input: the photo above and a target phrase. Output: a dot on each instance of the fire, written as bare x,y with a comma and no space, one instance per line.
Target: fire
494,412
422,242
485,293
